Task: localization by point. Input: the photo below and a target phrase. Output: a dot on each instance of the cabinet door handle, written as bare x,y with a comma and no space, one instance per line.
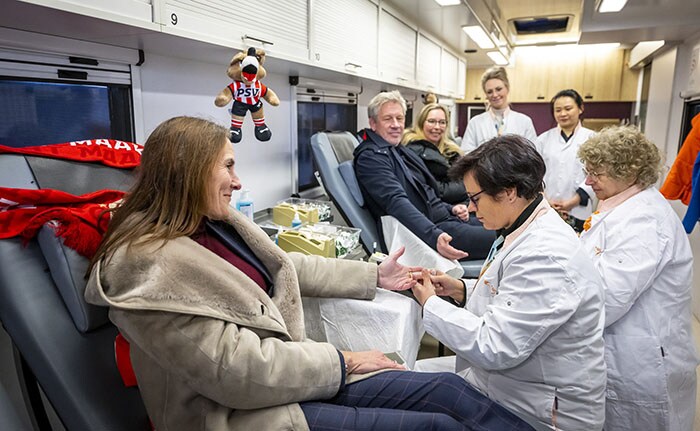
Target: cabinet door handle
264,42
355,65
588,96
540,97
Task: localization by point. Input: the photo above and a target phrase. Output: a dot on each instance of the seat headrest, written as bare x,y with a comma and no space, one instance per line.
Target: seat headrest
348,173
68,269
343,145
78,178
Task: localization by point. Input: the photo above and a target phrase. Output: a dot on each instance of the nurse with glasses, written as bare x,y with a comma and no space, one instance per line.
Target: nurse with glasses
529,332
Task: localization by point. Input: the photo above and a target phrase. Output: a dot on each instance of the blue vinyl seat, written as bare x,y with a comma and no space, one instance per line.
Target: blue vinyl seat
333,155
62,344
9,415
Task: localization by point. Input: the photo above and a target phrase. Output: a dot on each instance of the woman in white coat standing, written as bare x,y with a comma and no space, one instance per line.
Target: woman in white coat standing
642,253
563,182
529,332
498,119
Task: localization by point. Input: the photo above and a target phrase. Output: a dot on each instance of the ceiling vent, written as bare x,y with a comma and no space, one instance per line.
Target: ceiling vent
541,25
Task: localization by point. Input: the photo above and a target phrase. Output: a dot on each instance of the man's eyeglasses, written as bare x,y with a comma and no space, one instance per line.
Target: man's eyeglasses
473,199
593,174
433,122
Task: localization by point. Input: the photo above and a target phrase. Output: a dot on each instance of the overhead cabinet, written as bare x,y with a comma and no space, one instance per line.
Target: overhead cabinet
449,67
344,36
229,23
365,38
429,58
123,11
397,50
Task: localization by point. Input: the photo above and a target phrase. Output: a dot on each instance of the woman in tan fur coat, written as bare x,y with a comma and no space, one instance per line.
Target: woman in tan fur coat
212,310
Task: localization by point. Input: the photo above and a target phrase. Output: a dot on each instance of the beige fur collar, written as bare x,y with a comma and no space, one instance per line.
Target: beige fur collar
184,277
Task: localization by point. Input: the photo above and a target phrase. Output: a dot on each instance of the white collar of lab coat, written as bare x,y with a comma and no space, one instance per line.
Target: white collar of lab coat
615,201
540,210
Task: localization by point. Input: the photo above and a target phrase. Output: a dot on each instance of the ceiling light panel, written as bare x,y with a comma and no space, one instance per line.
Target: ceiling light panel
479,36
606,6
497,58
448,2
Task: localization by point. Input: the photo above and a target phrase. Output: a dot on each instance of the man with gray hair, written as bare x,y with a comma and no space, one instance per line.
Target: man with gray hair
396,182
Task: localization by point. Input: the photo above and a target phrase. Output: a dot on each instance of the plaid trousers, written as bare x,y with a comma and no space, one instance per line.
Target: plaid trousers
410,401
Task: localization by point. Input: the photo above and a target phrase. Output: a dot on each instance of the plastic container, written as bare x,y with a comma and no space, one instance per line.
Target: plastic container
244,204
310,211
296,221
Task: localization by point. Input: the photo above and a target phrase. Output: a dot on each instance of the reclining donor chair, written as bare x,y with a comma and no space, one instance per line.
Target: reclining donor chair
333,155
62,344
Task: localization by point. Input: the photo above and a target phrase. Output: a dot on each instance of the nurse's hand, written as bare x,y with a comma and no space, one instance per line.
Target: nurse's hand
369,361
461,211
425,289
391,275
446,250
446,285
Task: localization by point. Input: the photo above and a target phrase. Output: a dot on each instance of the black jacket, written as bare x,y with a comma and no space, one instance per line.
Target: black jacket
449,191
390,187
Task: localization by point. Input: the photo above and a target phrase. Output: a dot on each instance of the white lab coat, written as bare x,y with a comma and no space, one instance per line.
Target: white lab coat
645,260
530,336
482,128
564,169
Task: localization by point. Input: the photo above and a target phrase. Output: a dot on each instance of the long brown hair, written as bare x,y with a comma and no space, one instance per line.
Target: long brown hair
169,197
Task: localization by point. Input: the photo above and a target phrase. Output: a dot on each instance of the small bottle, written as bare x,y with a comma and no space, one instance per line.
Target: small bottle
244,204
296,221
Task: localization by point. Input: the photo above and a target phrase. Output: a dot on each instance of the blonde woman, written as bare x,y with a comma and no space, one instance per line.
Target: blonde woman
498,119
428,139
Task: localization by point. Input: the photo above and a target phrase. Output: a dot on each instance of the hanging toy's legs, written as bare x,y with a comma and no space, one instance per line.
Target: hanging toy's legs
262,132
235,133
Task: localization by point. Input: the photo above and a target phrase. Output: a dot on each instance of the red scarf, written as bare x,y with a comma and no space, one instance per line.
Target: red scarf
81,220
117,154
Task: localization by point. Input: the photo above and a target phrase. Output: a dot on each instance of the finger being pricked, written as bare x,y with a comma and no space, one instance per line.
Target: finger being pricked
439,277
417,272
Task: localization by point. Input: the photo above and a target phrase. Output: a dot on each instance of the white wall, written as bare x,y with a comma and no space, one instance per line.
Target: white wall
660,99
664,124
172,87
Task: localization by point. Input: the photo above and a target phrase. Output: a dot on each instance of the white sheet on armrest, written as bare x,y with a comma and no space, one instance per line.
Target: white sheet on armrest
417,252
390,323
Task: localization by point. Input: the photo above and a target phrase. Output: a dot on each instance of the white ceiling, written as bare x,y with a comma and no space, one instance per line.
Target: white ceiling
640,20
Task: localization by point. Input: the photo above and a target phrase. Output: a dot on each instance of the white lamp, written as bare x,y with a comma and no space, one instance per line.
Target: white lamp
605,6
479,36
497,58
448,2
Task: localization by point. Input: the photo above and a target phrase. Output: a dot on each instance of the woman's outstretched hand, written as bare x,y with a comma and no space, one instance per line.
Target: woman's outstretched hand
391,275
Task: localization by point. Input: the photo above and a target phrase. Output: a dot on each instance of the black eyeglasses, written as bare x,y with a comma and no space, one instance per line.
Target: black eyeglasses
472,198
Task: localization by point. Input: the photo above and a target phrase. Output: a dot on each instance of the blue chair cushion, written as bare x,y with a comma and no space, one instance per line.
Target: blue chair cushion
68,269
348,174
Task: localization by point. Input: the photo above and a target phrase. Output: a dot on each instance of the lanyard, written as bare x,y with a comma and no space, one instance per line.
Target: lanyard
499,123
495,248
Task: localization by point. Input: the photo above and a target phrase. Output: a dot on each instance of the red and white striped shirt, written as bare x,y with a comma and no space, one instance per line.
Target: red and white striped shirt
249,94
